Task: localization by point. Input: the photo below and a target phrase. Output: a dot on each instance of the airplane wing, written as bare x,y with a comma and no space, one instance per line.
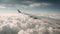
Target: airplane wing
51,21
27,14
46,19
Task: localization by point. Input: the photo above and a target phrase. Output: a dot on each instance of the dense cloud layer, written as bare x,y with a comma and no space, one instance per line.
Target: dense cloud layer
23,24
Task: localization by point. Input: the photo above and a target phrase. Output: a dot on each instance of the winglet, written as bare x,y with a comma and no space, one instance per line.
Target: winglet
18,11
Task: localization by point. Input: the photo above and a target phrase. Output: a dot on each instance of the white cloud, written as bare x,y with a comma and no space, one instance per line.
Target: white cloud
30,5
34,4
23,24
26,4
39,4
2,7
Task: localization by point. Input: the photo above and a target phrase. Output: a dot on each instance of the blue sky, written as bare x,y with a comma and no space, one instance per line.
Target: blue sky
29,6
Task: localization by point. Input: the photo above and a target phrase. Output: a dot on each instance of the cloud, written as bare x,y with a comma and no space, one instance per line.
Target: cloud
28,2
2,7
38,4
23,24
24,4
32,5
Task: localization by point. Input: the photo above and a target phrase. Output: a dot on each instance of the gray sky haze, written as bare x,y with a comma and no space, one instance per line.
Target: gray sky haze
30,6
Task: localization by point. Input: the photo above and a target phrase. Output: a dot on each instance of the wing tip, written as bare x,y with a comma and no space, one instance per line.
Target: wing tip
18,11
